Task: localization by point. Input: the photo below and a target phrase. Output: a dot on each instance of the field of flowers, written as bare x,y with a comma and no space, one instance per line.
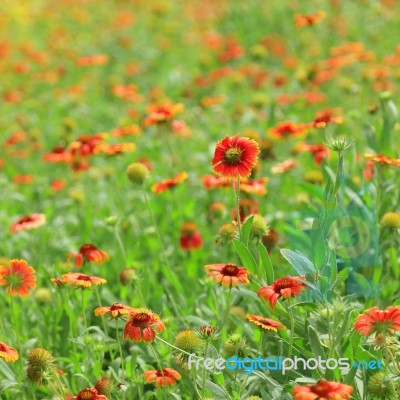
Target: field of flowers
199,200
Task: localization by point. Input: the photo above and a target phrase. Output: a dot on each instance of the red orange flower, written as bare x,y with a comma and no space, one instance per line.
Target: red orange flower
235,156
256,186
215,182
160,113
323,390
18,277
143,325
266,324
288,130
28,222
325,117
190,237
115,311
375,320
8,353
283,287
307,20
166,377
284,166
88,394
228,274
82,281
90,253
166,184
384,160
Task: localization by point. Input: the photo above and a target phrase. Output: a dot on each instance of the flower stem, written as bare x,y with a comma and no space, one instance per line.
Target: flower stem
228,307
83,310
120,349
204,371
290,310
159,367
237,193
176,348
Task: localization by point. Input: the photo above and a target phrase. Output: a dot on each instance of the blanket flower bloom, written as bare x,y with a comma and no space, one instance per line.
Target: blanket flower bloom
115,311
282,288
7,353
18,277
143,325
323,390
266,324
81,281
235,156
90,253
88,394
378,321
28,222
162,378
228,274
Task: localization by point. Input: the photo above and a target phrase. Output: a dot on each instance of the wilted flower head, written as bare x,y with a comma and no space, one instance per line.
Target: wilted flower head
207,332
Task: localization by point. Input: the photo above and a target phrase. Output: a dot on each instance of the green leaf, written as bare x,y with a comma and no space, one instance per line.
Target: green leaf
214,389
267,270
318,250
245,255
246,228
299,261
315,343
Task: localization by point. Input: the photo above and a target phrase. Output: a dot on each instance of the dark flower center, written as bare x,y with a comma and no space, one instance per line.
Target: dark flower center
230,270
141,320
233,156
83,278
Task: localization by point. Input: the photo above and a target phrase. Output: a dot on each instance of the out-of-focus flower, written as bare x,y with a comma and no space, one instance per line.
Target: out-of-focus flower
282,288
256,186
190,237
7,353
215,182
166,184
104,386
226,234
28,222
166,377
137,173
284,166
161,113
143,325
383,160
228,274
259,226
323,390
391,220
307,20
89,253
18,278
235,156
263,323
287,130
325,117
375,320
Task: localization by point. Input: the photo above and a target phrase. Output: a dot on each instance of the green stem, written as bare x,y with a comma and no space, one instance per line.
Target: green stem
120,354
228,307
83,310
237,192
204,371
176,348
120,243
290,310
159,367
